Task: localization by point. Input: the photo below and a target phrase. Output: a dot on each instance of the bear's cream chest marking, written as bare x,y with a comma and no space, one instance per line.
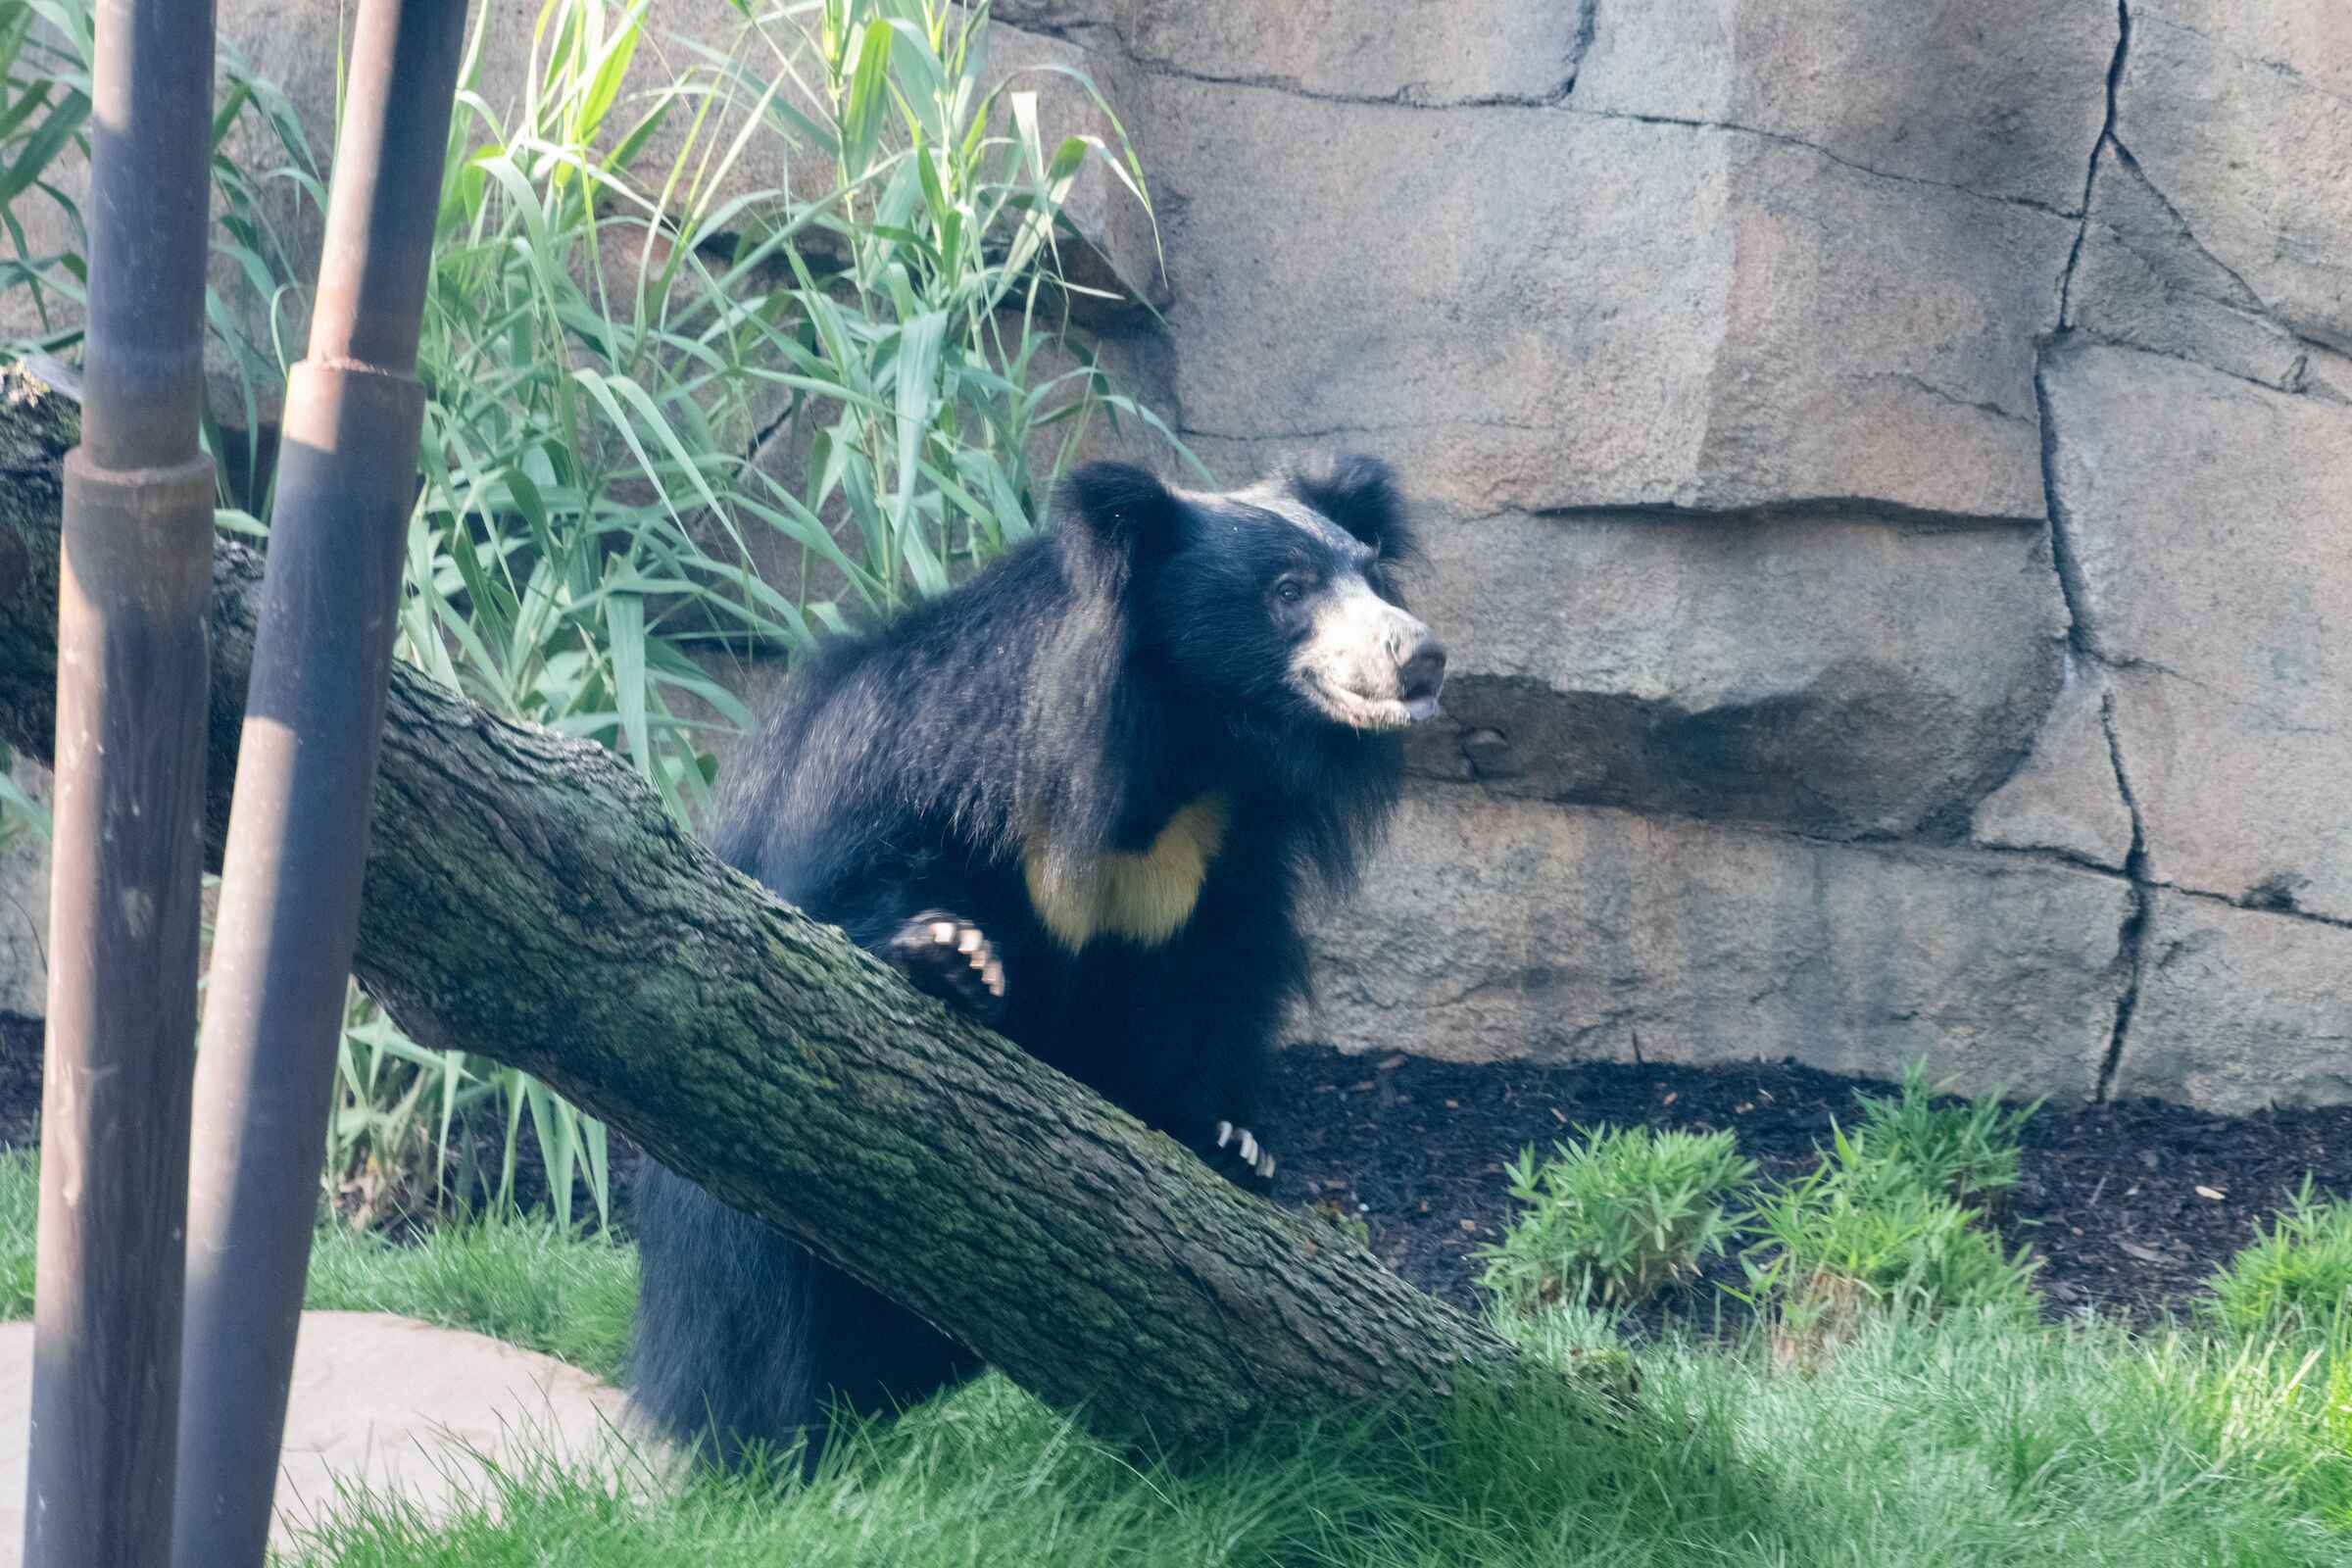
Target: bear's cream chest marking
1144,896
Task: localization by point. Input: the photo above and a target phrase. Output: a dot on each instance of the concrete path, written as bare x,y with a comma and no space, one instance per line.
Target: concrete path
380,1399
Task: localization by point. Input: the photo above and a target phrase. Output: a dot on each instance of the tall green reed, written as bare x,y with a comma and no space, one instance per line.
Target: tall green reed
727,338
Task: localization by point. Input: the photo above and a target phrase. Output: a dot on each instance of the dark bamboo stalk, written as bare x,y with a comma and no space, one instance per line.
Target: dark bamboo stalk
133,687
305,772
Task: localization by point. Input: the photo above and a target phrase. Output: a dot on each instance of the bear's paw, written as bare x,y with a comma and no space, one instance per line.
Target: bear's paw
1240,1144
949,957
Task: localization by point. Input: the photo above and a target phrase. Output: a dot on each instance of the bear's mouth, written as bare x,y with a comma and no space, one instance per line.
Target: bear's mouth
1359,711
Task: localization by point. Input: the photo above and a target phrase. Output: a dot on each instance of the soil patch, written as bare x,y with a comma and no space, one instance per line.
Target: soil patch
2115,1199
20,1078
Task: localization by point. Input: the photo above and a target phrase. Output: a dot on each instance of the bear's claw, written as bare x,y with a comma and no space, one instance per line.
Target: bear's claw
949,957
1256,1159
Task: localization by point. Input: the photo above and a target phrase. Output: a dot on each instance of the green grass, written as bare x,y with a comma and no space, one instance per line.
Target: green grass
516,1280
1969,1441
520,1281
20,1208
1970,1438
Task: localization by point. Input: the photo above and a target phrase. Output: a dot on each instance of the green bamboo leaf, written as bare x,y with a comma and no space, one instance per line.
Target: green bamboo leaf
606,70
624,631
512,1084
917,368
549,1125
869,91
632,142
914,61
594,1147
26,105
43,145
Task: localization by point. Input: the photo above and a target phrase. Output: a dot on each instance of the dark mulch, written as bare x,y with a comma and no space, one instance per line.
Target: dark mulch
20,1078
2110,1198
2114,1197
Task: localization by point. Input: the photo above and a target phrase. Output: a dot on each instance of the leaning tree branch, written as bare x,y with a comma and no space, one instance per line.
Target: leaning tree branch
529,898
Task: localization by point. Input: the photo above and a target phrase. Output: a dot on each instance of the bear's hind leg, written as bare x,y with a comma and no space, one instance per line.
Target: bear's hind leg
725,1351
745,1338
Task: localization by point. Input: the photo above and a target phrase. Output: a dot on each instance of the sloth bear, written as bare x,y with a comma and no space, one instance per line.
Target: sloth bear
1084,796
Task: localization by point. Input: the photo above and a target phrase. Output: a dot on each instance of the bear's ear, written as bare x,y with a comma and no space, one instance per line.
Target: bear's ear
1116,503
1357,492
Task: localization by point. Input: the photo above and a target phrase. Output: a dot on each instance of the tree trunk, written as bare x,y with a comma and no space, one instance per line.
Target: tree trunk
529,898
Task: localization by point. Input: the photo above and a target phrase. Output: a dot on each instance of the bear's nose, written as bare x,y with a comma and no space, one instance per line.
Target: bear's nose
1420,675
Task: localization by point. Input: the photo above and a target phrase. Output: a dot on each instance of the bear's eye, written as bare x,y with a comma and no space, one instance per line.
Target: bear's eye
1289,591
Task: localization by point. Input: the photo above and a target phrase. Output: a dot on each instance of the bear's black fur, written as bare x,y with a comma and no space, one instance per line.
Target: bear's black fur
1085,796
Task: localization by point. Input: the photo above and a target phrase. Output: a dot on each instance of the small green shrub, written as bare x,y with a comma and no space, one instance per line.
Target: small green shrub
1614,1215
1864,1232
1967,1151
2295,1277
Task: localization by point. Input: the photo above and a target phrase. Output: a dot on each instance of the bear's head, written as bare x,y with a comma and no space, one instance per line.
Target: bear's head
1282,597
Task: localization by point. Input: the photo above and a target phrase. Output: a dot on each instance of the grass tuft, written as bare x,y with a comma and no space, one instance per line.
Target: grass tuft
1966,1151
1614,1216
2294,1278
1863,1233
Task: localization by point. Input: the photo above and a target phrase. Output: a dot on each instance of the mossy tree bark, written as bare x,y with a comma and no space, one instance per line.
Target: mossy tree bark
527,898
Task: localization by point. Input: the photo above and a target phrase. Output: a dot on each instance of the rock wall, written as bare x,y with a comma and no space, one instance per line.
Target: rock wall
1889,481
1888,478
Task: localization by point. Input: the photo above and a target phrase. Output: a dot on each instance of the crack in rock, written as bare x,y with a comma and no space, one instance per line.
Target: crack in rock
1893,514
2132,939
1588,23
1786,139
2260,62
2130,951
2247,300
1407,95
1366,427
1558,99
2090,176
2139,946
2071,587
2300,384
1943,395
2209,313
1912,849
